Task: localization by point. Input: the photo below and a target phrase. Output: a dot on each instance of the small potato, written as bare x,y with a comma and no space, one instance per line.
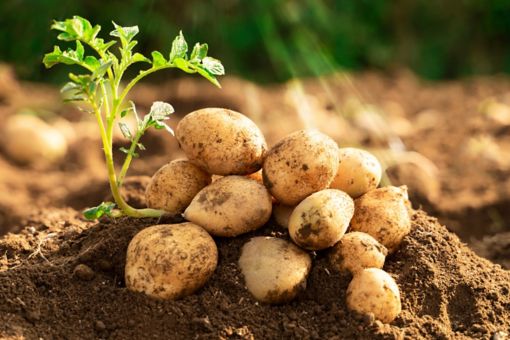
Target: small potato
357,251
321,219
358,172
384,214
221,141
372,290
170,261
281,214
28,139
302,163
274,270
230,206
173,186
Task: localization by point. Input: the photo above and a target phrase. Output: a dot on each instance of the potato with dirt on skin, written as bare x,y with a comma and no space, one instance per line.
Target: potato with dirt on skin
28,139
274,270
358,172
281,214
221,141
321,219
383,213
372,290
174,185
170,261
230,206
356,251
300,164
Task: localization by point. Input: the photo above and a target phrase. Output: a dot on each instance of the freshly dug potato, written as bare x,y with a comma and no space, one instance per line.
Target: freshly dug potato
281,214
274,270
222,141
372,290
358,172
28,139
302,163
356,251
173,186
384,214
169,261
230,206
321,219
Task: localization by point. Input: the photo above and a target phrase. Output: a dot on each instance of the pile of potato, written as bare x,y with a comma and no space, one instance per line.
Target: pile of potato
326,196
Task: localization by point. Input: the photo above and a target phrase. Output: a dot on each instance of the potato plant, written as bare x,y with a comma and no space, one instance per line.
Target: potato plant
100,91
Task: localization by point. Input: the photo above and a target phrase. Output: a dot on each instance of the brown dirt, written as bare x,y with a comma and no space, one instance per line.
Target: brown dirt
447,291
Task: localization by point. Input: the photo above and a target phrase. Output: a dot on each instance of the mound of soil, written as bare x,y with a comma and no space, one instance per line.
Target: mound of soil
62,277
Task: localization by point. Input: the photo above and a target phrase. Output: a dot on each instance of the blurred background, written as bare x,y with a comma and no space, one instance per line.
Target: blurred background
422,84
274,40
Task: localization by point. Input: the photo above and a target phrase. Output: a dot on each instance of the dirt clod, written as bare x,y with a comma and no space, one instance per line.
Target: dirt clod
83,272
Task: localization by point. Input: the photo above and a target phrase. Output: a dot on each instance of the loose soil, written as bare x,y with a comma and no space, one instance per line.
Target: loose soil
447,291
62,277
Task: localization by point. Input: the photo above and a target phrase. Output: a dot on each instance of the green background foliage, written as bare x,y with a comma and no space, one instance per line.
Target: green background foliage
273,40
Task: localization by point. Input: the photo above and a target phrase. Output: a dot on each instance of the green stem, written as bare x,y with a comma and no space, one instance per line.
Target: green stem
129,157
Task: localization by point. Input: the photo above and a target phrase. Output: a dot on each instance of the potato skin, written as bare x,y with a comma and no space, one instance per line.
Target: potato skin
230,206
384,214
372,290
321,219
300,164
174,185
274,270
28,139
170,261
221,141
356,251
281,214
358,172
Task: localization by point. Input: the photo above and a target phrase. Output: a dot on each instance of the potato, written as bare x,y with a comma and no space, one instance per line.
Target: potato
372,290
170,261
28,139
221,141
321,219
358,172
281,214
274,270
230,206
384,214
302,163
357,251
173,186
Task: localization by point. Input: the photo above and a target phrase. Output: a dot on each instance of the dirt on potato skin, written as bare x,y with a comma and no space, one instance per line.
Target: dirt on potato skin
447,291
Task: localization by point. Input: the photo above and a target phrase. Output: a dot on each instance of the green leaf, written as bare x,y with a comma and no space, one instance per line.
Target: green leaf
70,86
199,52
104,209
138,57
158,59
92,62
126,33
184,65
160,110
80,51
179,48
124,128
204,73
213,66
102,69
77,28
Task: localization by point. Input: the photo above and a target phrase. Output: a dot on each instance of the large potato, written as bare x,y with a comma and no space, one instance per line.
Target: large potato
321,219
384,214
358,172
274,270
28,139
230,206
357,251
302,163
372,290
221,141
169,261
173,186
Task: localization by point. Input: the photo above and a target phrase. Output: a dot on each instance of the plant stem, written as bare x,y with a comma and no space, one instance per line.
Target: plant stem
129,157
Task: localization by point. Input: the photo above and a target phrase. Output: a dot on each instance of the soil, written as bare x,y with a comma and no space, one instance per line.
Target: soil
62,276
66,280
